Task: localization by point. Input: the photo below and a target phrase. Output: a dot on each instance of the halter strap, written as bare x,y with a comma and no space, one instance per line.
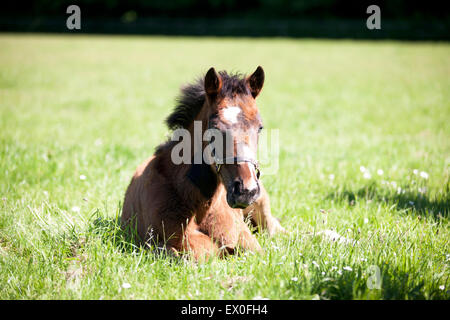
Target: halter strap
238,160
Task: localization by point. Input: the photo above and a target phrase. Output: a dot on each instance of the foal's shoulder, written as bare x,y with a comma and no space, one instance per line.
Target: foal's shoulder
141,168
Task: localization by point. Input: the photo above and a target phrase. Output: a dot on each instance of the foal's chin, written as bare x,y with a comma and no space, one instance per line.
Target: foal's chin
240,202
238,205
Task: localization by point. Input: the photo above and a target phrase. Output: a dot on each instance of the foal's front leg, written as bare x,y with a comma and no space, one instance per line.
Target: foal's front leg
229,230
261,214
187,239
199,244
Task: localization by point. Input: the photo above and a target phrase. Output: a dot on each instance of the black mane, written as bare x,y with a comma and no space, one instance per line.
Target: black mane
192,98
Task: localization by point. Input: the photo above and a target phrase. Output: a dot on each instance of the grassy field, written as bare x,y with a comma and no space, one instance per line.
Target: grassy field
364,151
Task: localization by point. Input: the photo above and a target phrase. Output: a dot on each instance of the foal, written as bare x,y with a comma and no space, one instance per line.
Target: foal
199,207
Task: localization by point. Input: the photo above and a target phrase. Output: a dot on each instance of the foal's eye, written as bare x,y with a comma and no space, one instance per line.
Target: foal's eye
260,128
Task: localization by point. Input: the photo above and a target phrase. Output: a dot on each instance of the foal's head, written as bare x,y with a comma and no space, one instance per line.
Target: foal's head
232,110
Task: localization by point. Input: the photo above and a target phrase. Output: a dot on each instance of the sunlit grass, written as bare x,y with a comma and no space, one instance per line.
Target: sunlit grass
364,152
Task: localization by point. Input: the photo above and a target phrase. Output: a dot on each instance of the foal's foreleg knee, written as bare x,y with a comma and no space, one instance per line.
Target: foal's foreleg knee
199,245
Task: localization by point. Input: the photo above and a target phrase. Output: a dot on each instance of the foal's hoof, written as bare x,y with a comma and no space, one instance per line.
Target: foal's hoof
226,251
275,227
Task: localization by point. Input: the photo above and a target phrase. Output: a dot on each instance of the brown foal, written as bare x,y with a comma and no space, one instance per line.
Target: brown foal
200,207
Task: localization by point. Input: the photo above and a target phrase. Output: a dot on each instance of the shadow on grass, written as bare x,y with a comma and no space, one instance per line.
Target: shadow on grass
395,284
109,231
412,202
126,241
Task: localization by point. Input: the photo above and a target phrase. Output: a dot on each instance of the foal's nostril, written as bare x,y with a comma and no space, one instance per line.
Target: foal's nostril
237,187
252,192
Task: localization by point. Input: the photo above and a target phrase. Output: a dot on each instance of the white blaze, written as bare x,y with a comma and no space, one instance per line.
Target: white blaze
244,151
230,113
249,154
252,184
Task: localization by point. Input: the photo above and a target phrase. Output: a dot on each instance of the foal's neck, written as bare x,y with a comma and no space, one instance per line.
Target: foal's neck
197,184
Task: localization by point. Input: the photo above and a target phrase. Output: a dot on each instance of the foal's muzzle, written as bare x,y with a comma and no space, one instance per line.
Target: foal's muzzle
240,195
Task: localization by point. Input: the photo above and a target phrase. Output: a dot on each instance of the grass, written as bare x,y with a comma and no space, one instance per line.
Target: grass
94,106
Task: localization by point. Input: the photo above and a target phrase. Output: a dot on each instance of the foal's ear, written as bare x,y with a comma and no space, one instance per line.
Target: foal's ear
256,81
213,83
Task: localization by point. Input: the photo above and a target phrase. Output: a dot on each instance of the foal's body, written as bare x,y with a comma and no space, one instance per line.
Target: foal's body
185,206
158,209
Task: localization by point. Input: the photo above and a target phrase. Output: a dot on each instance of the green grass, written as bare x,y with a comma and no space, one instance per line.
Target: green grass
95,105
